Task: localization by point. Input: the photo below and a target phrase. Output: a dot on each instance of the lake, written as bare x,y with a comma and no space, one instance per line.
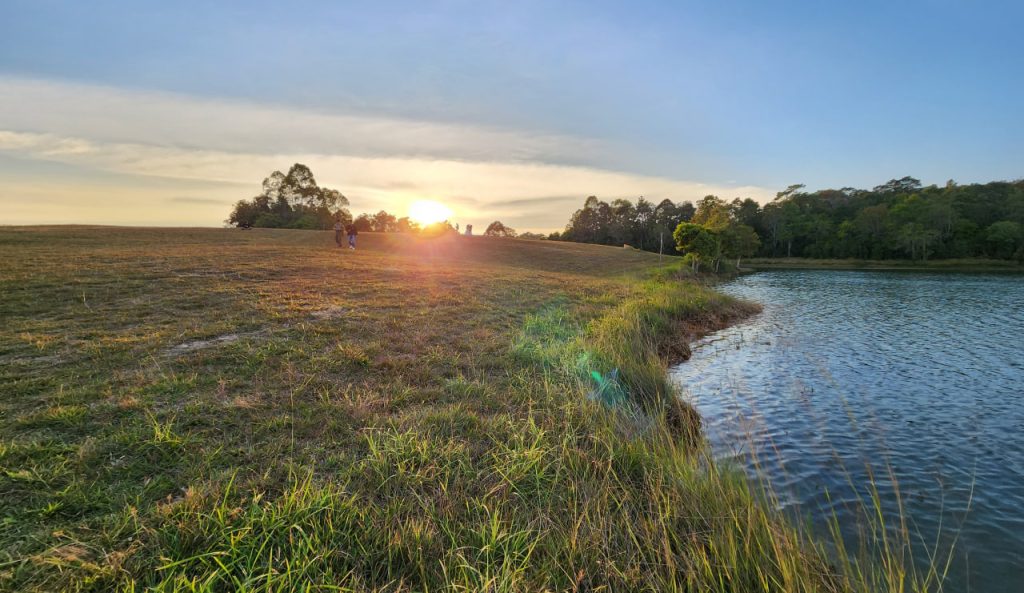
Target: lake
914,378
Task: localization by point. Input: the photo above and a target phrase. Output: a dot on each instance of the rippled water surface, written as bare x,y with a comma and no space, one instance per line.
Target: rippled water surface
848,373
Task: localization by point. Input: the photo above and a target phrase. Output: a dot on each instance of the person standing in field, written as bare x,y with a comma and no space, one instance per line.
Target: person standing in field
352,232
338,227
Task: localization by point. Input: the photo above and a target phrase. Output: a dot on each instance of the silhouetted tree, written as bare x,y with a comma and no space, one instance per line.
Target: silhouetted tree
291,201
497,229
382,222
363,223
642,225
406,225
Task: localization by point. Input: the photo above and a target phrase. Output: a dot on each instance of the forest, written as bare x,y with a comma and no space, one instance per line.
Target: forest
899,219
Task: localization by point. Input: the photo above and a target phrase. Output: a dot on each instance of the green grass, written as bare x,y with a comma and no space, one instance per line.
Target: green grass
219,410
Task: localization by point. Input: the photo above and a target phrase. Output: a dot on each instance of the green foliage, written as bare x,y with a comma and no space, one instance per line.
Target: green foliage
712,213
898,219
739,241
696,241
1005,238
644,226
292,201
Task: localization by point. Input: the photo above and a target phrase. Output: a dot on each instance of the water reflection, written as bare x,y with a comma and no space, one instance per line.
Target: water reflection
849,373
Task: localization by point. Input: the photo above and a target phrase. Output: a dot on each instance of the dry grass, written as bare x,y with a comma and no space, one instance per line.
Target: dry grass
215,410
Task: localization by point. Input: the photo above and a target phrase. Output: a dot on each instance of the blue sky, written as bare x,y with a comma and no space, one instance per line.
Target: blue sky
171,111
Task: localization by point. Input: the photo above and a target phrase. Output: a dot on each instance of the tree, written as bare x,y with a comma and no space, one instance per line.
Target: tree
383,222
1004,237
407,225
667,216
497,229
643,231
437,229
291,201
363,223
746,212
916,238
620,227
899,218
245,214
775,225
905,185
712,213
872,224
697,241
739,241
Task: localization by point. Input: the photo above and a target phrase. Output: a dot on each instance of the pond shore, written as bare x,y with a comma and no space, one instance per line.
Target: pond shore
949,265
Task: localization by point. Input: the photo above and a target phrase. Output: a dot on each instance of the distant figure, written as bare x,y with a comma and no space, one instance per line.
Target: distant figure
456,227
469,230
338,227
352,232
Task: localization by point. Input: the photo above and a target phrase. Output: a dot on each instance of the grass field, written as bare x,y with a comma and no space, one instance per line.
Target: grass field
219,410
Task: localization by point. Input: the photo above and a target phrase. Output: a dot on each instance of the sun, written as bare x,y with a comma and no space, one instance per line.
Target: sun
428,212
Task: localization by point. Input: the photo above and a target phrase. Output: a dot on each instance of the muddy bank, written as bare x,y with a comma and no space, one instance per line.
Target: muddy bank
675,347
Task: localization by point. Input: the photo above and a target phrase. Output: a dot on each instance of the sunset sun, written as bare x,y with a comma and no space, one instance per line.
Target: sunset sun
428,212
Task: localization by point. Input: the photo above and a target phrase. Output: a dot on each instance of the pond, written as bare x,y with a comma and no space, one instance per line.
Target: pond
911,381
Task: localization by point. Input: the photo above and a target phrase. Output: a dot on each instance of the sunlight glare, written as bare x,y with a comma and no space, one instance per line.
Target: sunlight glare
428,212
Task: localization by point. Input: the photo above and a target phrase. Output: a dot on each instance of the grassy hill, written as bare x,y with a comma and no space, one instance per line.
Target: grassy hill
215,410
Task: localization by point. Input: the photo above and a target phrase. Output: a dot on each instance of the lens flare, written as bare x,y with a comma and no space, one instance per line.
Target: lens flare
428,212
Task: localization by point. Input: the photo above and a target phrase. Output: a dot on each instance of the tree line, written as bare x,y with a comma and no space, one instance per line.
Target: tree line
643,225
295,201
899,219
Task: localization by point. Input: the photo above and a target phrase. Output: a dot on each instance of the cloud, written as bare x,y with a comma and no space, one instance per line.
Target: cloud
129,116
532,192
209,154
190,200
529,202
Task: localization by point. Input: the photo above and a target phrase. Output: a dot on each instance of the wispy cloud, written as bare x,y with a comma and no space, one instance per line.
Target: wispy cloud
531,202
190,200
482,173
129,116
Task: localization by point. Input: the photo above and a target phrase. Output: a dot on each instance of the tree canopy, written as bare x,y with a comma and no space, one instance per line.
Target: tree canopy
292,201
498,229
643,225
899,219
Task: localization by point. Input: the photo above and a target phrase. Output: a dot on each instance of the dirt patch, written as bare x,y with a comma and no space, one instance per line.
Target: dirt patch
329,313
194,345
50,360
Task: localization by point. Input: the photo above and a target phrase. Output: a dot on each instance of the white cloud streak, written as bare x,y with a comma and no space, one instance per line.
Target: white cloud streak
377,162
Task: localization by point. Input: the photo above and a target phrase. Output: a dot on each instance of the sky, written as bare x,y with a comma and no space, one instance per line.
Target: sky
166,113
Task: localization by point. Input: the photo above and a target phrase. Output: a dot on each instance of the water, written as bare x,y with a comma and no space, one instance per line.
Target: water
846,374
